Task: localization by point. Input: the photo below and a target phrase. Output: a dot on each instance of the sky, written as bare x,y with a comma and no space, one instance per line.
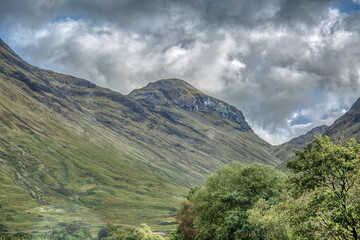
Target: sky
288,65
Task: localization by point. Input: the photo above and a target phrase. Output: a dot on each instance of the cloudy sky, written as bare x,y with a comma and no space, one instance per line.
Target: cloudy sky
288,65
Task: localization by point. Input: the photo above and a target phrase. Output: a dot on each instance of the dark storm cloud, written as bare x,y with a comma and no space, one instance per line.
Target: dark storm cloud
288,64
130,13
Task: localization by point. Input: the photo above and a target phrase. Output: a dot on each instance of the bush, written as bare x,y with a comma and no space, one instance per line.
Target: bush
71,232
143,232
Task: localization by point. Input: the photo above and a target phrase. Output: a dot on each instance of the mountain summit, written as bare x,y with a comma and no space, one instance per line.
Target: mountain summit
72,148
183,95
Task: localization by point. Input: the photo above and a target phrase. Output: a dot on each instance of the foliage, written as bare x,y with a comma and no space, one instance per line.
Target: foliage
143,232
320,199
107,231
71,232
272,219
218,210
186,218
325,184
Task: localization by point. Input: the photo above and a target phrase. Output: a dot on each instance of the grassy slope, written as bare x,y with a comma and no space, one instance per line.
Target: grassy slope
72,151
72,174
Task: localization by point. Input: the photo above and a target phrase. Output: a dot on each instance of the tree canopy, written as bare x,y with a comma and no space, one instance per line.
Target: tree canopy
319,198
326,179
217,210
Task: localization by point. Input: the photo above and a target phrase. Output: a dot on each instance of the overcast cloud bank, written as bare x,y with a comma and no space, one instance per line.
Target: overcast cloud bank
288,65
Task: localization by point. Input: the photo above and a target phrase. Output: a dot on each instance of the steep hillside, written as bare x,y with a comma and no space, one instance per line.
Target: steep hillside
285,151
73,151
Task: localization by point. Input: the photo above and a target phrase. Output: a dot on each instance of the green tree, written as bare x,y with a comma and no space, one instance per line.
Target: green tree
217,210
72,231
109,231
143,232
185,217
325,185
273,219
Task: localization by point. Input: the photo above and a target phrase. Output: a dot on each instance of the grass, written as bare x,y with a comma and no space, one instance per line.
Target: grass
74,152
44,175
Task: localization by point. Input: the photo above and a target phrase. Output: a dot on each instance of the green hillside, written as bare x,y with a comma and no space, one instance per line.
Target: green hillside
73,151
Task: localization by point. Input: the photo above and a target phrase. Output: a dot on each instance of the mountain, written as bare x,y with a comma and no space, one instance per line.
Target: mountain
179,93
347,126
285,151
344,128
73,151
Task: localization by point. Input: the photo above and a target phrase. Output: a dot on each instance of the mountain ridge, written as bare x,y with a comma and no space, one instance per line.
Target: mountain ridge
285,151
347,126
68,144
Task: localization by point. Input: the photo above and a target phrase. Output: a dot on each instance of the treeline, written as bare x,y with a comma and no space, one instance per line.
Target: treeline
318,198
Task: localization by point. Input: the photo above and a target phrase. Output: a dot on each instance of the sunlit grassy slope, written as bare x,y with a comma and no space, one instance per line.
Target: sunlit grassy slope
73,151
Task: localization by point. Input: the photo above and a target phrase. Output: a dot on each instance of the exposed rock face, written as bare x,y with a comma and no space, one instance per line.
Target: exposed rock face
181,94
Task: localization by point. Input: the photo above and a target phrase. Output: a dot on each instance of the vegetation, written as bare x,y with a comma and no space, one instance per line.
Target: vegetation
318,199
218,210
75,231
142,232
70,150
327,181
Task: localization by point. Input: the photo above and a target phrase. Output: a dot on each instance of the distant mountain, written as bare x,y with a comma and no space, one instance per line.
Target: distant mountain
347,126
285,151
71,150
344,128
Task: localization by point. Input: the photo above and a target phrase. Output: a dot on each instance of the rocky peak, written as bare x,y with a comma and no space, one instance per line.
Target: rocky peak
174,90
183,95
171,84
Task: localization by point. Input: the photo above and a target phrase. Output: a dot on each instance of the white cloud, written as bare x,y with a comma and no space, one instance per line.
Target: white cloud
275,73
